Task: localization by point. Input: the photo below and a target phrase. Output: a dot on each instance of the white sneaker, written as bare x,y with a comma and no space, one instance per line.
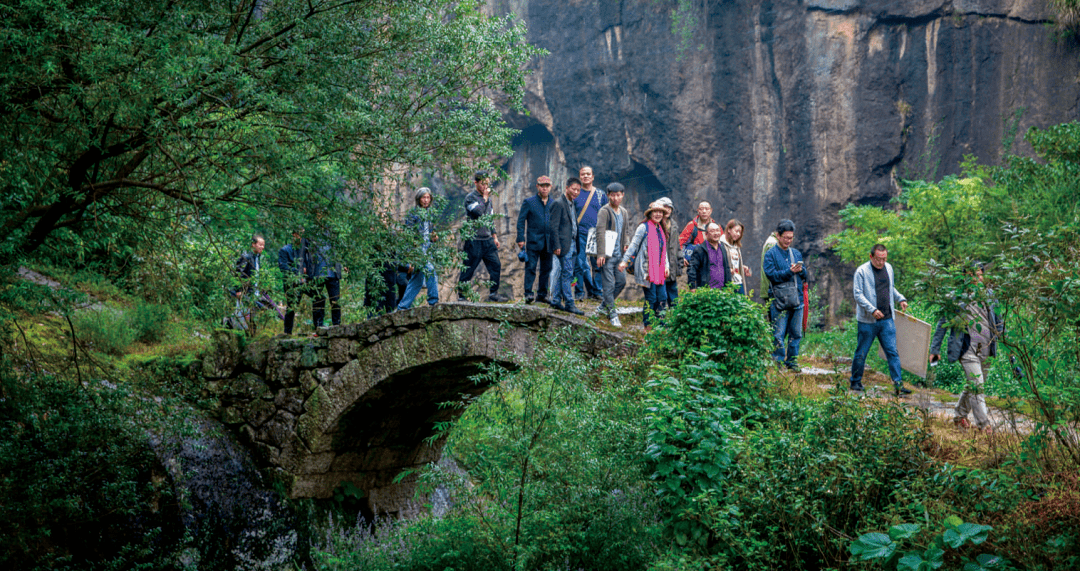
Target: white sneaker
615,321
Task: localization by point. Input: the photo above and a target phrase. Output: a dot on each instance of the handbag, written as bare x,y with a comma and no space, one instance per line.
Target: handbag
786,295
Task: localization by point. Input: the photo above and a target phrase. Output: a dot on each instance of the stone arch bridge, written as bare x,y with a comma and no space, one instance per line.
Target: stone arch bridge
357,403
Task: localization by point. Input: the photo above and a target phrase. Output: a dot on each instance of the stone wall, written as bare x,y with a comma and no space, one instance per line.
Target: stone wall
357,403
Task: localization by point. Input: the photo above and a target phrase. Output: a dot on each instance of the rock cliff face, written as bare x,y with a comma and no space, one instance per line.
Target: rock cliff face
782,109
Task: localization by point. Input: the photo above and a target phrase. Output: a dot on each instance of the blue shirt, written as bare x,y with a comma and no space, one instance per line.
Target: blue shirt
777,266
588,220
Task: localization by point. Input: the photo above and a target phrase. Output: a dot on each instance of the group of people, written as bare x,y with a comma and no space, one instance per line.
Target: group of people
579,244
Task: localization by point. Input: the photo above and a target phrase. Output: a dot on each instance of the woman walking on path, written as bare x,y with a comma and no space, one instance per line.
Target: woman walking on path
649,252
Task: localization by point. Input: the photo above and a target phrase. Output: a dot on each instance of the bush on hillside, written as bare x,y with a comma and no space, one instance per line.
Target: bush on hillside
79,482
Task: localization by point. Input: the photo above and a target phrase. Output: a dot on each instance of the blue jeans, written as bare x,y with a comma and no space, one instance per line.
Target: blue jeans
786,323
416,281
655,300
566,275
588,280
672,288
885,332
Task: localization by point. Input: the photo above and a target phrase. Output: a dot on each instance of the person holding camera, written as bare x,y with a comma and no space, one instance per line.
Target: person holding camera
783,266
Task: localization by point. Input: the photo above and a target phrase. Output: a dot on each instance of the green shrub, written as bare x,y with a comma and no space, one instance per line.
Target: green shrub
725,324
148,321
105,330
80,485
555,480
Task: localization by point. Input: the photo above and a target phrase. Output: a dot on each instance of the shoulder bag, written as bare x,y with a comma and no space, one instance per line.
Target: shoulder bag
786,295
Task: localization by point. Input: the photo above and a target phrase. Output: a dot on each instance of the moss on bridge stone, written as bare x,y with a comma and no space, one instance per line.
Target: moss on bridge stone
294,393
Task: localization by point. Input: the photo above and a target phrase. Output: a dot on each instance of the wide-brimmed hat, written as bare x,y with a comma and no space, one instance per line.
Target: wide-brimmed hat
654,206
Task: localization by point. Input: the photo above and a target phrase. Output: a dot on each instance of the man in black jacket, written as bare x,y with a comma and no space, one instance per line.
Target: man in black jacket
484,245
247,294
532,236
709,264
563,238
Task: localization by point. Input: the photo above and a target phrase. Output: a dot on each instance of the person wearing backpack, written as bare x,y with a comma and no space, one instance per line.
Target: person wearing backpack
783,265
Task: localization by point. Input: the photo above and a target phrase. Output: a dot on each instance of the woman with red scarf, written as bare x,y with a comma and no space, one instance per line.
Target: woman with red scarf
649,252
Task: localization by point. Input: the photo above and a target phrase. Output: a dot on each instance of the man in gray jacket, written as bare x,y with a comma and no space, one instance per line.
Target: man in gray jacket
612,218
875,299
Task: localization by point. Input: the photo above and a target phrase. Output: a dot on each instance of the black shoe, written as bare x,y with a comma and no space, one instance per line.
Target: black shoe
529,299
901,391
556,305
571,308
542,299
792,367
857,387
579,297
497,298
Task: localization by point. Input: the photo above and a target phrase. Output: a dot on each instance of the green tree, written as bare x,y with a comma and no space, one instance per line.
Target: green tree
195,115
936,221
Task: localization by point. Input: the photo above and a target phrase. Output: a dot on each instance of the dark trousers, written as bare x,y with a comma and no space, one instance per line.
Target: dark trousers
672,288
613,281
477,251
786,323
655,302
544,260
318,302
293,295
381,292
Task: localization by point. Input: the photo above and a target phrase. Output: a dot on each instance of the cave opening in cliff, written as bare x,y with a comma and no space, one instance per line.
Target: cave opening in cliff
642,187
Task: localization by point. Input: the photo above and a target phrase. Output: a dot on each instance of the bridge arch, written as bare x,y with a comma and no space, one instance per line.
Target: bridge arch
359,402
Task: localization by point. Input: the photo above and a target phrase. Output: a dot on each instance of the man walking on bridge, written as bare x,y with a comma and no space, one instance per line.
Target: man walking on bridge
484,245
563,239
532,236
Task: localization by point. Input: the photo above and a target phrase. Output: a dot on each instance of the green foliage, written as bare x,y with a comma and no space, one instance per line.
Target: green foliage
728,326
814,469
555,480
105,330
953,536
78,479
690,445
148,141
112,331
937,221
148,321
